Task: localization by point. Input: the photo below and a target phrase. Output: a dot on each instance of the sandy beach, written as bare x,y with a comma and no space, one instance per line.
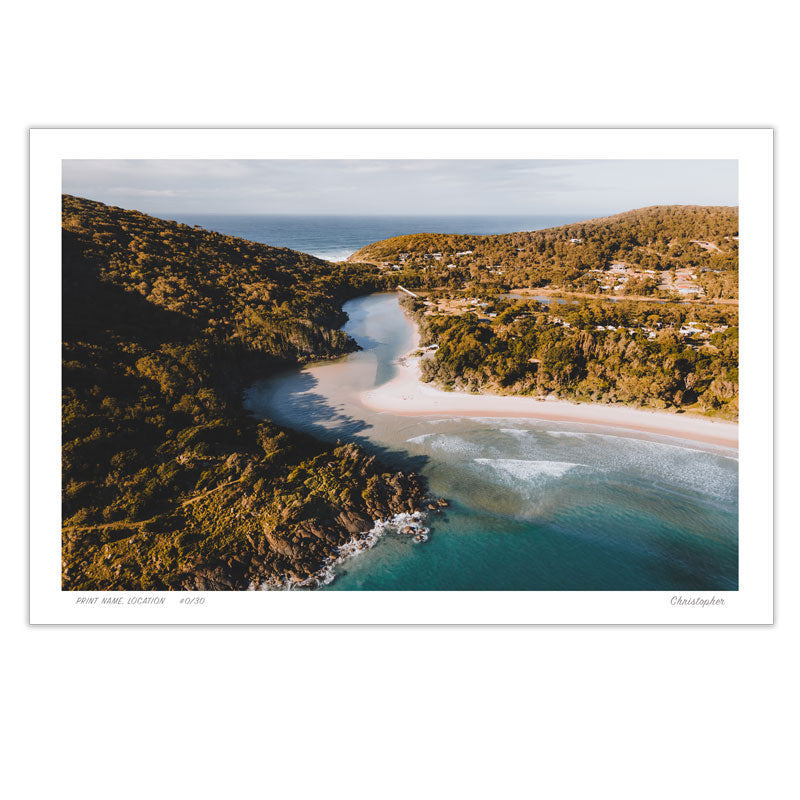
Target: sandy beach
407,395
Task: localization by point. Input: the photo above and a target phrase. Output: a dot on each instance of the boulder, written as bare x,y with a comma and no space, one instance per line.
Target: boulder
353,522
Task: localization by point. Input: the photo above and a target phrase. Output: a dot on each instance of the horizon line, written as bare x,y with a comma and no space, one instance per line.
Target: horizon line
432,214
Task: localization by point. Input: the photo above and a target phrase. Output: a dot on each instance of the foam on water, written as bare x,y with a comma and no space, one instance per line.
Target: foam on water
533,453
333,254
612,437
420,439
448,443
359,543
531,470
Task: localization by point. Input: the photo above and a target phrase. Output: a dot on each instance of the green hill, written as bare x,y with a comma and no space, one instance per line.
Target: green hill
167,482
657,238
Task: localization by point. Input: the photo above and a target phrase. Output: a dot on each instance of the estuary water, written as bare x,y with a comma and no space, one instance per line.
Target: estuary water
535,505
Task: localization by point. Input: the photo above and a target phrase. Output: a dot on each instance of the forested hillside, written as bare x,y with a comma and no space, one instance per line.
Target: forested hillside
700,239
662,356
167,483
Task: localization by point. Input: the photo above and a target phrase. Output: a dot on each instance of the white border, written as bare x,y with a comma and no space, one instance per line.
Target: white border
751,604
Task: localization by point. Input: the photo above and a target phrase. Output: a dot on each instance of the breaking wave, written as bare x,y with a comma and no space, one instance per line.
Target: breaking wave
519,432
420,439
649,461
332,253
404,523
531,470
613,437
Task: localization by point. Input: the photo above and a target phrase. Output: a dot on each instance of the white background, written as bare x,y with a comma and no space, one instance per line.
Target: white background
752,603
477,712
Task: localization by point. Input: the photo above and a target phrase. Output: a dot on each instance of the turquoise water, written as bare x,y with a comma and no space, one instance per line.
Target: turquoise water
536,505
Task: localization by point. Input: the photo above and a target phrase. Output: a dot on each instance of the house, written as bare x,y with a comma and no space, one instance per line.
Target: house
684,288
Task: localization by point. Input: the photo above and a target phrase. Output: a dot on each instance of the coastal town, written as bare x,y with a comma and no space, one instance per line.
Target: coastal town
694,334
675,284
658,253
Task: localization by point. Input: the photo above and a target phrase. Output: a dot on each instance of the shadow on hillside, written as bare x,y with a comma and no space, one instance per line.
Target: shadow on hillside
326,421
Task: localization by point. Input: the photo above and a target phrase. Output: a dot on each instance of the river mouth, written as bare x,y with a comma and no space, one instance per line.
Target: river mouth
535,504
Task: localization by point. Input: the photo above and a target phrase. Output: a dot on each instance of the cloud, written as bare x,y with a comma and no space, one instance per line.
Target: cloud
421,186
133,191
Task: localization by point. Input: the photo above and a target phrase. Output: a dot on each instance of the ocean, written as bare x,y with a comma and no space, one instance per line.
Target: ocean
334,238
535,505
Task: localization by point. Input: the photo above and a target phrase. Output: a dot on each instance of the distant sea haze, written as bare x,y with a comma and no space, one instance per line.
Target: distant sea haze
336,237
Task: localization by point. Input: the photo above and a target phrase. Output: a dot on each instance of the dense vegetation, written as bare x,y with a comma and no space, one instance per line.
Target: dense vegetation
167,483
658,238
671,355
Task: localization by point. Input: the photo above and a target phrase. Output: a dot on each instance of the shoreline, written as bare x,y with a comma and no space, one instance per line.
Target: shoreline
407,395
357,544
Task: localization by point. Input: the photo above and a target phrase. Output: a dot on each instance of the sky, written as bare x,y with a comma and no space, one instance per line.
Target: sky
401,187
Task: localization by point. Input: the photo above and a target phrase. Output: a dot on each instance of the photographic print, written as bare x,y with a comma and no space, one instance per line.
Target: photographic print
400,376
